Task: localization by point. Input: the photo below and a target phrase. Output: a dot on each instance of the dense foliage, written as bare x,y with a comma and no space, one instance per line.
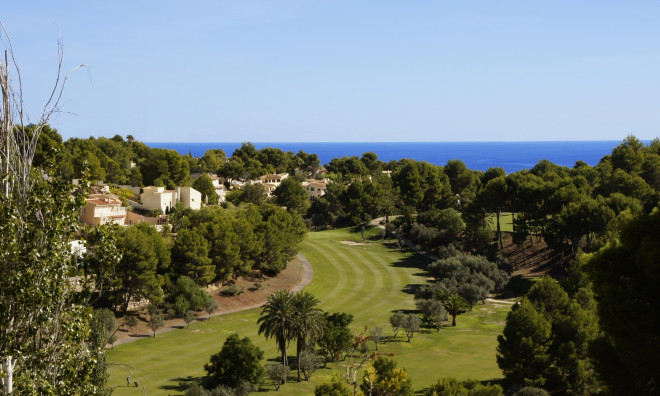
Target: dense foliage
49,344
547,337
625,277
556,338
238,361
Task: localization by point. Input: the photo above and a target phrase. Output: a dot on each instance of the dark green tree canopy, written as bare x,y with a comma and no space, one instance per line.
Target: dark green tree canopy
204,185
625,277
291,194
239,360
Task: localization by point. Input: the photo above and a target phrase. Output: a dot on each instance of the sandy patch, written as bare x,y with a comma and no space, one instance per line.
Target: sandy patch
351,243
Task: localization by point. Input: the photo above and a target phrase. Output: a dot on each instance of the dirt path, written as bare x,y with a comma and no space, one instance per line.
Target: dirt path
376,222
493,300
298,274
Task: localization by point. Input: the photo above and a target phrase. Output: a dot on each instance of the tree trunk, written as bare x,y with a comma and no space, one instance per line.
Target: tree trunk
8,378
453,320
499,229
513,221
299,348
285,362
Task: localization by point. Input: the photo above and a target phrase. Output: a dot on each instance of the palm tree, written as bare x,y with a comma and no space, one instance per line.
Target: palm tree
308,323
277,320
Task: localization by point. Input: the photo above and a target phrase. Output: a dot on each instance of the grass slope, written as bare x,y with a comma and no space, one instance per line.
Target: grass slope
369,281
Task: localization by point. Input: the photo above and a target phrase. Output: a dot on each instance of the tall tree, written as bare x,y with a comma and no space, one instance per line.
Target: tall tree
190,255
204,185
522,351
625,277
308,323
557,360
278,320
137,275
494,197
292,194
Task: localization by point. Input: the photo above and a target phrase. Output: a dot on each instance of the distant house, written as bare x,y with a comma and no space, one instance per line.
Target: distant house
270,182
102,209
274,179
221,192
219,184
315,188
159,198
189,197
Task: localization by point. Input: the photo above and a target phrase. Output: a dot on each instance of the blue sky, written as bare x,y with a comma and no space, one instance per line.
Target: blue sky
269,71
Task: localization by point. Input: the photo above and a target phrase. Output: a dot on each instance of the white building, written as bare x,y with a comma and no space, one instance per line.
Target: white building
189,197
159,198
219,184
102,209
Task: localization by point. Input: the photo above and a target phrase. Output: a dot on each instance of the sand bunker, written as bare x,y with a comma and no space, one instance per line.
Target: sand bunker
351,243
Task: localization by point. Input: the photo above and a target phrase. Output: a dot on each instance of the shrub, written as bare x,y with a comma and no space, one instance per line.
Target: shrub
531,391
189,316
231,290
196,296
310,362
335,388
452,387
131,322
277,373
181,306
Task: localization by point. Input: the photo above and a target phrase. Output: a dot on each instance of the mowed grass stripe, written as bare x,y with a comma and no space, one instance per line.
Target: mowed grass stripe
352,294
328,264
392,282
376,285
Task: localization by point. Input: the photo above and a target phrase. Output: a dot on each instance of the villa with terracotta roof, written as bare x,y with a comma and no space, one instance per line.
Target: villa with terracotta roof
274,179
102,209
315,188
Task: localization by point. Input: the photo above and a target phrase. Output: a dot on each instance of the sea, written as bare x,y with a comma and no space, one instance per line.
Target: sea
511,156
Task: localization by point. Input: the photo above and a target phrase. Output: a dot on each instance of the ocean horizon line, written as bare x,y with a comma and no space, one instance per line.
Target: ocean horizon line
391,141
511,156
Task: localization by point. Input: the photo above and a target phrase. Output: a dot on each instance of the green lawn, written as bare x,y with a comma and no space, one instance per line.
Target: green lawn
368,281
506,221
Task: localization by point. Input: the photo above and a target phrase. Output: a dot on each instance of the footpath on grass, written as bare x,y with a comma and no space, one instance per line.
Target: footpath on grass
296,284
